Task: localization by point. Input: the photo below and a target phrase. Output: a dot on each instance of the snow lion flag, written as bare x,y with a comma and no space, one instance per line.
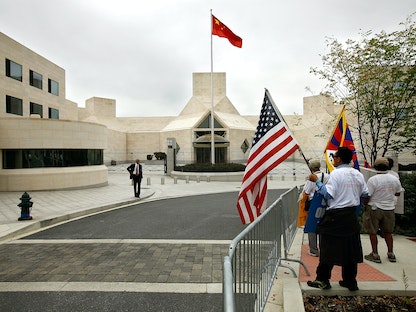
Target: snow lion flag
219,29
272,143
341,136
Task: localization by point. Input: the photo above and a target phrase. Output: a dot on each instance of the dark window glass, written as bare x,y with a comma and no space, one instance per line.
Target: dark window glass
206,123
40,158
14,105
13,70
35,79
53,113
36,109
53,87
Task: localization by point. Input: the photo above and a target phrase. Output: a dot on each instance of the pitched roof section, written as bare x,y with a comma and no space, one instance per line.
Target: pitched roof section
199,106
201,95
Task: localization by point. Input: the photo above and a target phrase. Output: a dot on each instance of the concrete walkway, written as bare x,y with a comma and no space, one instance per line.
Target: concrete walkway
52,207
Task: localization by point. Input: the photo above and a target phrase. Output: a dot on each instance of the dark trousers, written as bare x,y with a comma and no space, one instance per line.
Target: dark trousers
349,272
136,184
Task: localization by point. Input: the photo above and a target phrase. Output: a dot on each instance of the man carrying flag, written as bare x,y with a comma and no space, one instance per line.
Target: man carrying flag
339,229
272,143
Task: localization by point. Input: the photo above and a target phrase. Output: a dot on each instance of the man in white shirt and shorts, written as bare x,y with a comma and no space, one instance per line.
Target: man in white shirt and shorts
379,213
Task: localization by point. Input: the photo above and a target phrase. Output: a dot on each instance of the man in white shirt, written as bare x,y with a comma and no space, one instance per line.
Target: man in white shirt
339,229
383,189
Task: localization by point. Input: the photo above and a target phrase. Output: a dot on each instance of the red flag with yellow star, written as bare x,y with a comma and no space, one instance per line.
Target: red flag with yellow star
221,30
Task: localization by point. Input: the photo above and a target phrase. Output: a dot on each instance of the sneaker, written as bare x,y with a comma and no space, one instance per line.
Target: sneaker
350,287
319,284
310,253
373,257
391,256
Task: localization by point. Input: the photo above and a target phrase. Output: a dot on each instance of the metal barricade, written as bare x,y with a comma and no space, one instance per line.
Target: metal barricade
289,219
254,257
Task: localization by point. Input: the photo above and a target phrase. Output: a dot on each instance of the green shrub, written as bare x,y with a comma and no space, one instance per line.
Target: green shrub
405,224
231,167
160,155
409,167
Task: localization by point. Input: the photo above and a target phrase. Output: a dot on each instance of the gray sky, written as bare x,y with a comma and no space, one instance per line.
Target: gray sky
143,53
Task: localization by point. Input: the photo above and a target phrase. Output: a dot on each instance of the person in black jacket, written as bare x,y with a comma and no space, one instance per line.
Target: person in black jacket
136,174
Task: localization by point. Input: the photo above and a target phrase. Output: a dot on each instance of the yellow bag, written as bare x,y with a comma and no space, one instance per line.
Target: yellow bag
302,214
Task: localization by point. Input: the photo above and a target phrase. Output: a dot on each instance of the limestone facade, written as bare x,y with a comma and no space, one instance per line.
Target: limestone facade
122,139
37,120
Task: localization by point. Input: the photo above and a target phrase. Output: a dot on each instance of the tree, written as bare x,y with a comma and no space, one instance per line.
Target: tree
375,78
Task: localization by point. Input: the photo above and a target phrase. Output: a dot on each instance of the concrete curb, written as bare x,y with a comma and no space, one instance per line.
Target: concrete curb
40,224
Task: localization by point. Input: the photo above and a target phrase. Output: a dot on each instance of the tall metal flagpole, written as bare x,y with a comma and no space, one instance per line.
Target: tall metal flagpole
212,102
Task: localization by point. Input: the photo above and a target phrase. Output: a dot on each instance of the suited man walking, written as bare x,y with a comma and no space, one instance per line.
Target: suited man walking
136,174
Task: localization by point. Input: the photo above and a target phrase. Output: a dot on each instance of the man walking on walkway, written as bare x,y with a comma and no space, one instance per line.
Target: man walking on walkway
136,174
339,230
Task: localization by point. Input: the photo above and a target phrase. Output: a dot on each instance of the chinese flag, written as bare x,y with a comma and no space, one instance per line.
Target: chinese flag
219,29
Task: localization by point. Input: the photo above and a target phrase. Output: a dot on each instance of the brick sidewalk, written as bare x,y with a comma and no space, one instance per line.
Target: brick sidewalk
78,261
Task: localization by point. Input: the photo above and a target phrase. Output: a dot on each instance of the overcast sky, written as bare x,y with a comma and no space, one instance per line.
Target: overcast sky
143,53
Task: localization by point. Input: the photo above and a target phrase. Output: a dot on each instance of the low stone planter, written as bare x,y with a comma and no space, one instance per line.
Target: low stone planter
208,176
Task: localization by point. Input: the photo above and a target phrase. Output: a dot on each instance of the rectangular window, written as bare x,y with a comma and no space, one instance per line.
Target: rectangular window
13,70
36,109
53,113
53,87
44,158
14,105
35,79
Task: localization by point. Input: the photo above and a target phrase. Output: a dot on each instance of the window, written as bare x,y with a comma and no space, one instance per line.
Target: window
35,79
206,123
53,113
36,109
244,146
14,105
44,158
13,70
53,87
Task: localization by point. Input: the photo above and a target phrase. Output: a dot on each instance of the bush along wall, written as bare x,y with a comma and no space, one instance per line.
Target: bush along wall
160,155
405,224
231,167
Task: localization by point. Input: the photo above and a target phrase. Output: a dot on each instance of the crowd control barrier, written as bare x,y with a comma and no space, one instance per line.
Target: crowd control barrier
255,254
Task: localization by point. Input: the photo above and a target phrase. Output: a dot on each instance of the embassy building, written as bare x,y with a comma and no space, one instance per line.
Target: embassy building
47,142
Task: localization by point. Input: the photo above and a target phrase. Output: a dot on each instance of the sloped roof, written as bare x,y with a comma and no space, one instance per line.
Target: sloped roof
234,121
183,122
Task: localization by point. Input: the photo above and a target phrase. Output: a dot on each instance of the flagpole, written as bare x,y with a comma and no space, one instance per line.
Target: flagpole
282,119
327,160
212,102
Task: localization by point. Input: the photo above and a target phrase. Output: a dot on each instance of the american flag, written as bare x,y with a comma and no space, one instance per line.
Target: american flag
272,144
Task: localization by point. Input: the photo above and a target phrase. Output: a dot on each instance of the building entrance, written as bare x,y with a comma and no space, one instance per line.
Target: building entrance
203,154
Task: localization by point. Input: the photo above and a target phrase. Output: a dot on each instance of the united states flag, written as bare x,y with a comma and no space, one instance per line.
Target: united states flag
272,144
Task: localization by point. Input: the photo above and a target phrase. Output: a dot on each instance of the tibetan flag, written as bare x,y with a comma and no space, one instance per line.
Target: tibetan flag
219,29
341,137
272,143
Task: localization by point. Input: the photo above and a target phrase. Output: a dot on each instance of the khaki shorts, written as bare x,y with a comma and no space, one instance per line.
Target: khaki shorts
378,219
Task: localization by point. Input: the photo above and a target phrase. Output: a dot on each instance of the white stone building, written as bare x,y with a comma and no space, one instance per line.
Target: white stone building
48,142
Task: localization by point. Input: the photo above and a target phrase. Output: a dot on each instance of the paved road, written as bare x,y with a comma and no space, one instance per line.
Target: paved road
164,255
